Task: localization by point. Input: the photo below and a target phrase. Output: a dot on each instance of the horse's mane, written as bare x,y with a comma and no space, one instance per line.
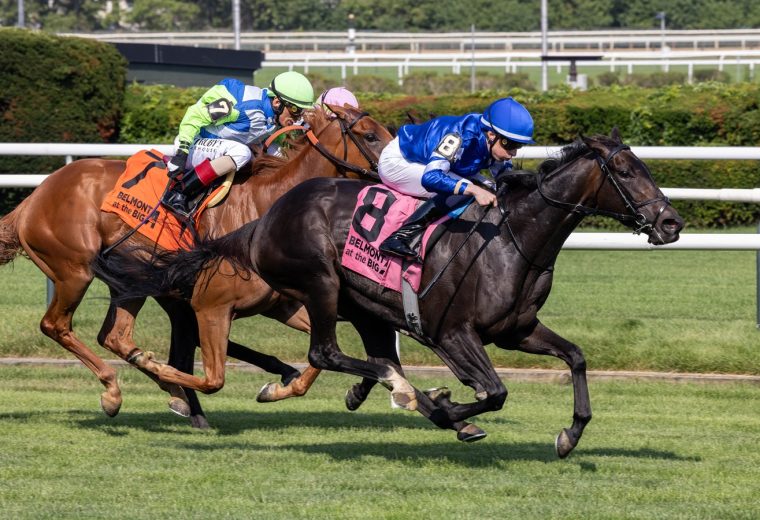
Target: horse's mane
269,164
570,153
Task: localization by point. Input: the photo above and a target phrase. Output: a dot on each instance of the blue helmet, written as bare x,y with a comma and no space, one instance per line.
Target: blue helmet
509,119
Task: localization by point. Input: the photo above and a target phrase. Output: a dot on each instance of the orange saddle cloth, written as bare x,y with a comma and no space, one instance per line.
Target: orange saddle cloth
137,193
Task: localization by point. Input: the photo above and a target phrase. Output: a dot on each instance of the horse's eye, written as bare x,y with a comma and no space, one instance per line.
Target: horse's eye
625,174
370,137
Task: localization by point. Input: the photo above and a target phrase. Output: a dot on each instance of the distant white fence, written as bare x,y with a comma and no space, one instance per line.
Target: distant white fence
603,241
457,63
558,41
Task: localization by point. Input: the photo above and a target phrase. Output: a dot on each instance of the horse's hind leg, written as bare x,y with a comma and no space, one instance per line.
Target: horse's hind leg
544,341
116,335
56,324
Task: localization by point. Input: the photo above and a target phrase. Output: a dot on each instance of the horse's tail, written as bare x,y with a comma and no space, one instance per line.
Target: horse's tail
138,271
10,243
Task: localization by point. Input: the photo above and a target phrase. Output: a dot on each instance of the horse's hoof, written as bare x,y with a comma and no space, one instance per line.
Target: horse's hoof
471,433
353,401
564,444
436,394
407,401
199,421
179,407
110,406
268,393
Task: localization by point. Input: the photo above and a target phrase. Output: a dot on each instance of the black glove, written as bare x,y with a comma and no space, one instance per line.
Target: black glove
177,164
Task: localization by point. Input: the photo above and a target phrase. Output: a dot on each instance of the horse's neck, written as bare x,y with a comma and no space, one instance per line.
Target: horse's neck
541,228
251,198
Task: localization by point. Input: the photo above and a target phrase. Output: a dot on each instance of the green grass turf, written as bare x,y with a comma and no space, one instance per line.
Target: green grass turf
689,311
653,450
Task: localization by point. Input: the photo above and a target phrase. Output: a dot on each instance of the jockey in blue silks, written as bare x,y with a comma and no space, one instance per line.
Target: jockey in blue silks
442,155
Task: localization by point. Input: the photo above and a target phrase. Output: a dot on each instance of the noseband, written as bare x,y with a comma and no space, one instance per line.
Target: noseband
634,217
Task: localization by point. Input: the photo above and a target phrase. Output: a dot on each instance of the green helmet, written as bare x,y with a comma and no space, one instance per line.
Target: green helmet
293,87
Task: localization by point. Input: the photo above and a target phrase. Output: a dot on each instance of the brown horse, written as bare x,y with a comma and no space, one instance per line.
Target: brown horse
63,239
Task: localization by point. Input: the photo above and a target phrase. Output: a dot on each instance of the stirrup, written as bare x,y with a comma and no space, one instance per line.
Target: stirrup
177,203
395,247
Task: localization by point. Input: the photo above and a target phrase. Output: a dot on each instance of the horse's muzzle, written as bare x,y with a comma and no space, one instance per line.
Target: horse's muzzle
666,227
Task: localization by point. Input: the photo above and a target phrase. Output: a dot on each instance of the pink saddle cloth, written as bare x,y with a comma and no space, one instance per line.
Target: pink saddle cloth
379,212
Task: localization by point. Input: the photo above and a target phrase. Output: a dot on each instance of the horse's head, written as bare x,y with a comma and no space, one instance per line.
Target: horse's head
628,193
356,138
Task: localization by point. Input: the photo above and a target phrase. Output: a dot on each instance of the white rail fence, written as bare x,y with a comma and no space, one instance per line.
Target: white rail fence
362,41
598,241
509,65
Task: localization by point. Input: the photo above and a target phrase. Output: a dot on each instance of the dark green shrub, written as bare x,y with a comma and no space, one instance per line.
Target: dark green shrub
369,83
704,75
608,78
655,79
55,89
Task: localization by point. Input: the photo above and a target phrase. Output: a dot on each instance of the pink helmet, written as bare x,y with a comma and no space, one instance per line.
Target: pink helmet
337,96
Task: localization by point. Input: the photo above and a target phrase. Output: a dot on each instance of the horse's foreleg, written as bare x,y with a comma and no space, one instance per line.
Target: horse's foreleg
546,342
56,324
293,383
116,335
213,331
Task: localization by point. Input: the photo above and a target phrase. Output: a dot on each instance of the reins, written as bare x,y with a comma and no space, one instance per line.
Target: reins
342,164
636,218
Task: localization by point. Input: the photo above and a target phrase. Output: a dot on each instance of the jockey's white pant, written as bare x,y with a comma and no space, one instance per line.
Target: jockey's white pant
402,175
207,148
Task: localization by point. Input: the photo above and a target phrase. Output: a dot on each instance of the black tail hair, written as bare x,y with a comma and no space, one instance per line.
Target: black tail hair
140,271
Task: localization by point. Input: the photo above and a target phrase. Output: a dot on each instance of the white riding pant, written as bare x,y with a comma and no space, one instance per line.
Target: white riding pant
207,148
401,175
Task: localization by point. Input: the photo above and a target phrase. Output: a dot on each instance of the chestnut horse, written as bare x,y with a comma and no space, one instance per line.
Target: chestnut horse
62,239
491,292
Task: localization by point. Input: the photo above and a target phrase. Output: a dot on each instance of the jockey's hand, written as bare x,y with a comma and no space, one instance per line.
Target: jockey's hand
483,197
177,164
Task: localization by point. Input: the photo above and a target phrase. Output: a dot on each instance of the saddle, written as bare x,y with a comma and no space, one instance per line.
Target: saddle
135,200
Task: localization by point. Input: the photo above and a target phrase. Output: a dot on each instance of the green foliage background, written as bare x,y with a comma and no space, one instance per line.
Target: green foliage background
55,90
389,15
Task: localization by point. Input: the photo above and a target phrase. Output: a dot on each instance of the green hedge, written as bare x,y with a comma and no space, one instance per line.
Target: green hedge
55,89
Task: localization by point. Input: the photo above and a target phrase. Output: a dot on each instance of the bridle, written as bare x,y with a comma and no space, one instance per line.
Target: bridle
346,130
635,218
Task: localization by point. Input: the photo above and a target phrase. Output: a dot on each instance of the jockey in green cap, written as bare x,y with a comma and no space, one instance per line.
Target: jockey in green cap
215,133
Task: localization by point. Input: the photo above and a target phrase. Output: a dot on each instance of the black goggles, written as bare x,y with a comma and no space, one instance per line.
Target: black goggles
294,109
509,144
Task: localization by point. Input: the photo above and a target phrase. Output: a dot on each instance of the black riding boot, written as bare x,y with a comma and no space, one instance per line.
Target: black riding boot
400,242
184,190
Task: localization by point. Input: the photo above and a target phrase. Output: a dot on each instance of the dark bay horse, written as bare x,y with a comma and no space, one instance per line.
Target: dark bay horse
490,293
62,239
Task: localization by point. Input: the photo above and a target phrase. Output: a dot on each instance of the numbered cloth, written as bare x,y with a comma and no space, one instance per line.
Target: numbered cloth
136,196
379,212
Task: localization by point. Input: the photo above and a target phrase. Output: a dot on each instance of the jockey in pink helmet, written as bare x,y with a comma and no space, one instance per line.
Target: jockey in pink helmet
336,96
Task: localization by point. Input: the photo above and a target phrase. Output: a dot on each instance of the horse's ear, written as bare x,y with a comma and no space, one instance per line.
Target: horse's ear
339,111
594,144
615,135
